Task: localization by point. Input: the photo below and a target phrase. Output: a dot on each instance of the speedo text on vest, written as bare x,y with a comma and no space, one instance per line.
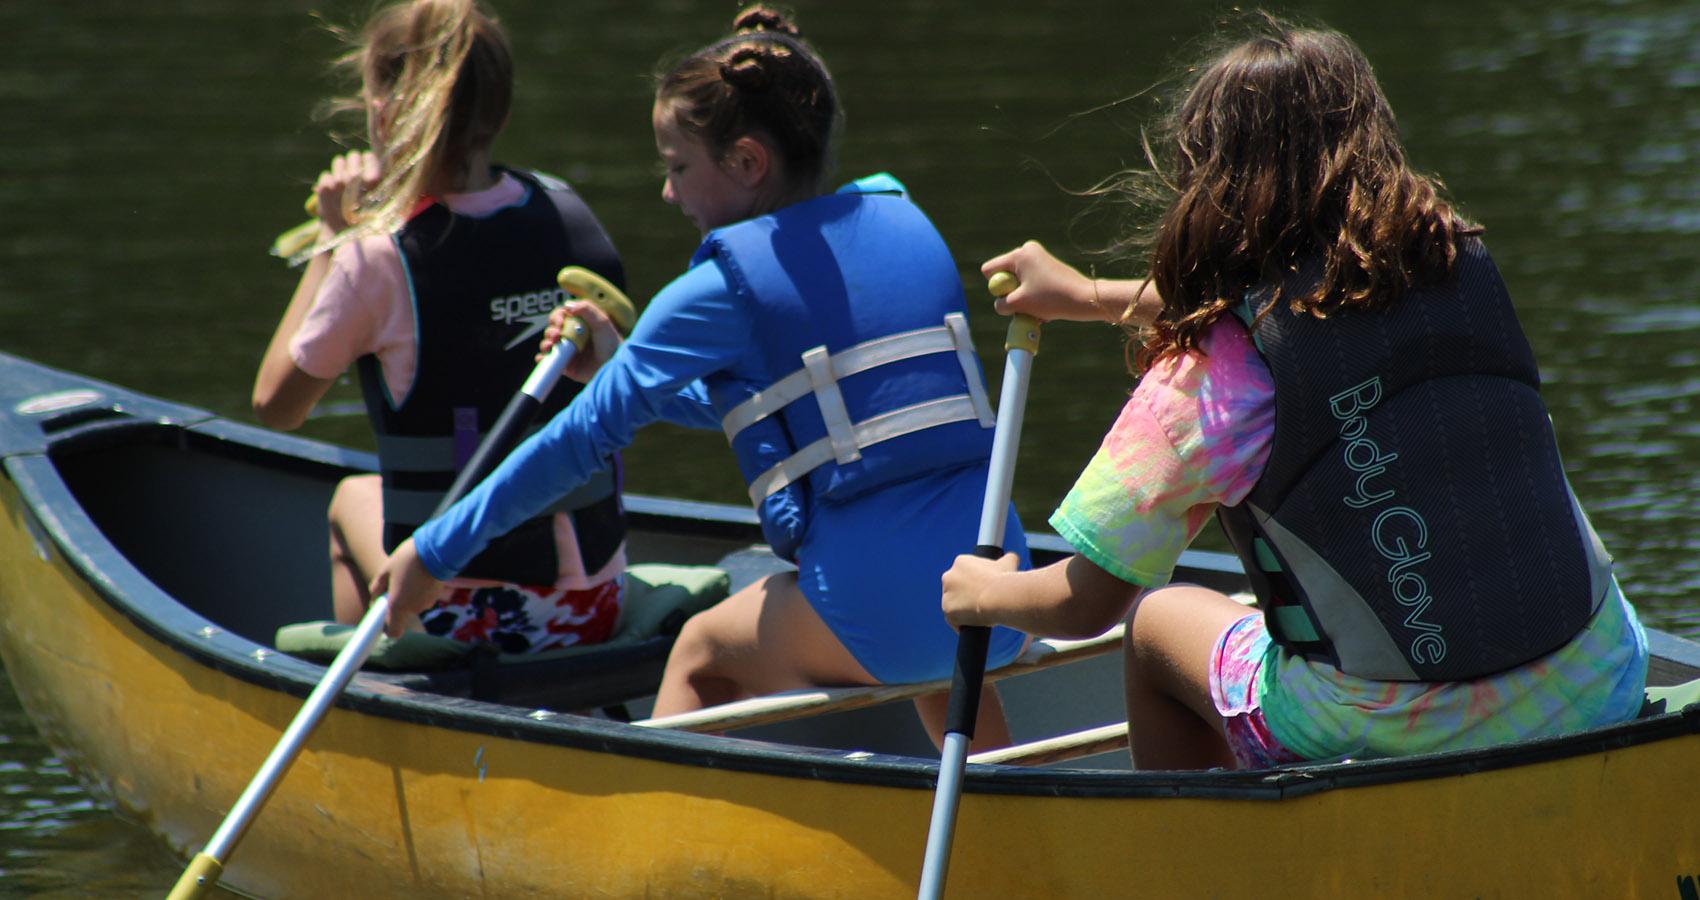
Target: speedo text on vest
1399,533
532,308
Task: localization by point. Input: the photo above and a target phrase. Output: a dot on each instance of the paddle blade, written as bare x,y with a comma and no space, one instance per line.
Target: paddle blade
295,239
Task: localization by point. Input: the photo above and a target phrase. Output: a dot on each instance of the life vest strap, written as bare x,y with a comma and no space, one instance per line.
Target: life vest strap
833,413
951,337
883,427
965,356
415,506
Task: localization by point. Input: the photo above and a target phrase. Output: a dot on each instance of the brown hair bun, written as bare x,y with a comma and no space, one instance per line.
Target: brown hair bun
764,18
746,69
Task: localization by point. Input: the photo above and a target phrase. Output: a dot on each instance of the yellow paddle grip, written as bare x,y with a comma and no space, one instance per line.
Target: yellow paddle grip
1023,333
200,876
587,285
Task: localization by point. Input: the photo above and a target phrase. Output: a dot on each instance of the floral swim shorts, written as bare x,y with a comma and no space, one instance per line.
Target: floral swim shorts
520,619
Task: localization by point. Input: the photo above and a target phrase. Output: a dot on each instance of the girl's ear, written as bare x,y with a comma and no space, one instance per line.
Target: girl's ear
748,161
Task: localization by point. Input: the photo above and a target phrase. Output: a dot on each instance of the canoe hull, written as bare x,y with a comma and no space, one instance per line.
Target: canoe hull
409,795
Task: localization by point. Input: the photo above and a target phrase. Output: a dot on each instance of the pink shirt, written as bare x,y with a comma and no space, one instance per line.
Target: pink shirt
364,306
1194,435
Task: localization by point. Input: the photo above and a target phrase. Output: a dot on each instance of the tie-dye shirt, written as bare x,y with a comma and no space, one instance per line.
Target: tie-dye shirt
1196,433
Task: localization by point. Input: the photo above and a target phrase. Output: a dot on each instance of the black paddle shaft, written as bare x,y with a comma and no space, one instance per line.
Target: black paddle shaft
508,431
968,677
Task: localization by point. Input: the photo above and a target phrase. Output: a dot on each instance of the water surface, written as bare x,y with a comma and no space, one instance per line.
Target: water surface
152,150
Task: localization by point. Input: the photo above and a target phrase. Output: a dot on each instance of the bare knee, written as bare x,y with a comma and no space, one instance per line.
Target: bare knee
357,499
1171,638
695,650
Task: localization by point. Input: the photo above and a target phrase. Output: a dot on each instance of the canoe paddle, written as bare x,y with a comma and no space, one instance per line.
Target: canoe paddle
1021,344
301,236
204,870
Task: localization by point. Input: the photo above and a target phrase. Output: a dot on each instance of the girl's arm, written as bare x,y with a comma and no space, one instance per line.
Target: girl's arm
690,408
1052,290
283,394
1071,598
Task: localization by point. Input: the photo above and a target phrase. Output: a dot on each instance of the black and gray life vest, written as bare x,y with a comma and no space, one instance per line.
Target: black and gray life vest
1414,522
482,290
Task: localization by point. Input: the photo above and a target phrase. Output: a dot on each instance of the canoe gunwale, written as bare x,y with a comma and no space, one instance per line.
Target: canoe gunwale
109,575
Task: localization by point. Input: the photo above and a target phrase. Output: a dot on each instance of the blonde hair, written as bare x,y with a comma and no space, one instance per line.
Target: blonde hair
439,76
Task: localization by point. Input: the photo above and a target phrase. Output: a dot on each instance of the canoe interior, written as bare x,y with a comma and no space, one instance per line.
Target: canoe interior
242,543
230,522
237,533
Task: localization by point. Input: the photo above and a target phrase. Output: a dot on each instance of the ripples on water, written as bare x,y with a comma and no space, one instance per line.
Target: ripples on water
154,149
55,839
1594,210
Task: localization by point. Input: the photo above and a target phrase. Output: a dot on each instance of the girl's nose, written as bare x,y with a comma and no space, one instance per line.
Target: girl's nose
667,194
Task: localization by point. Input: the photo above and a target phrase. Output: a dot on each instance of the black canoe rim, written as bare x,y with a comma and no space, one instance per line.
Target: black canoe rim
110,414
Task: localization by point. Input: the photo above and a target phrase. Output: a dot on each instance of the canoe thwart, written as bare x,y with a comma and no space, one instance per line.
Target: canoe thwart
1088,742
766,710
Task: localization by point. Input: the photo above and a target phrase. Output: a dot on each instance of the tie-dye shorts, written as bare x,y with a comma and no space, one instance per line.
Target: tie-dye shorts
1235,665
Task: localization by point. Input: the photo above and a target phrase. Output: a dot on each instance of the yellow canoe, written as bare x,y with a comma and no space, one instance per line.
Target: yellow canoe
149,551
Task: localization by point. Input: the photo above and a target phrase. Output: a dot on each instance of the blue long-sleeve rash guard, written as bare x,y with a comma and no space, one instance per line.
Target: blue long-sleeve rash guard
696,325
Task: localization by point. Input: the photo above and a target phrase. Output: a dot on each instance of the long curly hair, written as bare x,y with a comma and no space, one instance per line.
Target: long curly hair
1282,150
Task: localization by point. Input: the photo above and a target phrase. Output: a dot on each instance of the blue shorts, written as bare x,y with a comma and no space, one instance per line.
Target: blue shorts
871,569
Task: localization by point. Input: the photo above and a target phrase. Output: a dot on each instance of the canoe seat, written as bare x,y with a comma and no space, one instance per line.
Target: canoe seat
1670,698
659,598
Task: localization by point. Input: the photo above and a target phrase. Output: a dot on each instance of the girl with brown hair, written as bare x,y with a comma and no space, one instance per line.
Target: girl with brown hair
1329,362
825,334
432,270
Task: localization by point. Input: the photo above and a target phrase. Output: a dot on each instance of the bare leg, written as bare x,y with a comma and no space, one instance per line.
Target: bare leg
357,544
1172,722
991,729
763,639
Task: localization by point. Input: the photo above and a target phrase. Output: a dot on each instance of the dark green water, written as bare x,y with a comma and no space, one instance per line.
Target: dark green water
152,150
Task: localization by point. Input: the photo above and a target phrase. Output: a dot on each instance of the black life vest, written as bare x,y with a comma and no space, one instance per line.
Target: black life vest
482,289
1414,522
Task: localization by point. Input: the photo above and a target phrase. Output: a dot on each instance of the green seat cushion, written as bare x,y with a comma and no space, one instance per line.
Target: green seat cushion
414,651
659,598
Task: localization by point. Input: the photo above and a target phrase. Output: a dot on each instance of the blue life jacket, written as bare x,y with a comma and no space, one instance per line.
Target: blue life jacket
858,302
1413,522
482,290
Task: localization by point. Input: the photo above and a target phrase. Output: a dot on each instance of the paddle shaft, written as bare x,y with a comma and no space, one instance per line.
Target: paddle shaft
204,870
971,642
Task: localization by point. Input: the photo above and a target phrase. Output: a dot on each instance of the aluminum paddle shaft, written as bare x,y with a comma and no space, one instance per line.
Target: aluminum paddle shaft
1021,345
204,870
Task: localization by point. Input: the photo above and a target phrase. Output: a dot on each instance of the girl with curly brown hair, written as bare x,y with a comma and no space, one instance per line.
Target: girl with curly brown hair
1329,362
